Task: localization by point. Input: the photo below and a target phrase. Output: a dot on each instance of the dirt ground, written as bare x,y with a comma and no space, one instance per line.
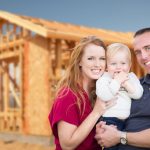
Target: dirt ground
25,142
14,145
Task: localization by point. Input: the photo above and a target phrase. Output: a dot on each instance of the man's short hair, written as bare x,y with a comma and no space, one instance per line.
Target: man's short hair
141,31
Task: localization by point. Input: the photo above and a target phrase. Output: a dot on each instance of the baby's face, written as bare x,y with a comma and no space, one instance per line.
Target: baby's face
118,62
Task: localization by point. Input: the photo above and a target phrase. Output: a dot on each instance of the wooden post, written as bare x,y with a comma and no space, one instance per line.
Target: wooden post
6,95
58,56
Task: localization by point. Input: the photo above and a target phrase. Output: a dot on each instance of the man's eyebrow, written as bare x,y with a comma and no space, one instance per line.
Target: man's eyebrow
146,46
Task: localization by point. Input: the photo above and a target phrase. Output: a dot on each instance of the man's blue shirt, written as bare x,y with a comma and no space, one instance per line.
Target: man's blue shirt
139,118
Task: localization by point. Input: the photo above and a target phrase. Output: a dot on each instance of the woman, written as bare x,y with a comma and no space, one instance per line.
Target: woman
74,112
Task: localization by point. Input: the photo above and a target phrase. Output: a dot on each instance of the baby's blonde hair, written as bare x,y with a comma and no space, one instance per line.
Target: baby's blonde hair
112,49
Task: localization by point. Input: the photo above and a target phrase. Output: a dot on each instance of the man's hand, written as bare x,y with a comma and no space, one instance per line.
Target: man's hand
106,135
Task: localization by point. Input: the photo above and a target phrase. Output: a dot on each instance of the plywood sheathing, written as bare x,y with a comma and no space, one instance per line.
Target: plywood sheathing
37,95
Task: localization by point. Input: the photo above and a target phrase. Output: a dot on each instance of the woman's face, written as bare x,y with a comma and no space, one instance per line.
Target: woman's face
93,62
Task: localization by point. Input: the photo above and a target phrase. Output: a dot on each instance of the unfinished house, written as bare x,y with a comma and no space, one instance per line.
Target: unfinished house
33,56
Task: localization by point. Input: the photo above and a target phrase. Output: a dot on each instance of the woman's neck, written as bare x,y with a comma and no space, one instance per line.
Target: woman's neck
87,86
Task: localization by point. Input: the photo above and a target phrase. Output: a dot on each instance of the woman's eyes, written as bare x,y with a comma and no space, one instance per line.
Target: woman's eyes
92,58
103,58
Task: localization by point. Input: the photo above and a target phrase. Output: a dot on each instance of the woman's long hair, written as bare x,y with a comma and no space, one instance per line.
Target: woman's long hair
72,79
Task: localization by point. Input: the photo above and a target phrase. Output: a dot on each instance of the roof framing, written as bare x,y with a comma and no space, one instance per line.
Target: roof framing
53,29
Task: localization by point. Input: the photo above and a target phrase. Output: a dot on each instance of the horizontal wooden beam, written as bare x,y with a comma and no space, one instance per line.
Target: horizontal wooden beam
12,112
9,54
11,44
77,37
23,23
58,30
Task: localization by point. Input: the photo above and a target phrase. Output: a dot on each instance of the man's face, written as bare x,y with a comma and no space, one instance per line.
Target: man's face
141,45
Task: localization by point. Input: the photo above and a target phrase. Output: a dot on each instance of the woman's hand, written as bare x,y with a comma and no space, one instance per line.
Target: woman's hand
101,106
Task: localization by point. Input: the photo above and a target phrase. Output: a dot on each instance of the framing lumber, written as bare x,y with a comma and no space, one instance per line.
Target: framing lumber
23,23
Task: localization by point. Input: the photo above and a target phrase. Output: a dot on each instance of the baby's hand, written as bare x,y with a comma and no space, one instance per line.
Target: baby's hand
121,77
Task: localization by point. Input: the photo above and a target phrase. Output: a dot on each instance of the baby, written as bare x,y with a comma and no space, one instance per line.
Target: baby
118,82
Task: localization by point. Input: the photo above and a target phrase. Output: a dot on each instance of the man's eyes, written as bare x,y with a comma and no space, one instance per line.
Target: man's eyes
138,52
147,48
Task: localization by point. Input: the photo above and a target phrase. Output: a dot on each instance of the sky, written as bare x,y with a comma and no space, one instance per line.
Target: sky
116,15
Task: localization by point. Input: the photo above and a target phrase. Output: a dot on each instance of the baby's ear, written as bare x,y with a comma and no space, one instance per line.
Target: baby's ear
130,66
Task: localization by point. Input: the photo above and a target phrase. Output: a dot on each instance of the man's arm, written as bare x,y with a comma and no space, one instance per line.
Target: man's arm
111,136
139,139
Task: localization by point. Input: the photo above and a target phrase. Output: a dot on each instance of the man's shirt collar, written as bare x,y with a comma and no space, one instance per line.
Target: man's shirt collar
146,79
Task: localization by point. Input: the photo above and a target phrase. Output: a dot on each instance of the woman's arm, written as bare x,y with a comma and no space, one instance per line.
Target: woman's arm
71,136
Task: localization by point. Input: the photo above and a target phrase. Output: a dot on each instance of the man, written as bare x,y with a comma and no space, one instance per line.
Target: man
137,129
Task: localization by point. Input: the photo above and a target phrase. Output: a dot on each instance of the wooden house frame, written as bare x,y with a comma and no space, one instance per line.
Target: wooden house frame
33,55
